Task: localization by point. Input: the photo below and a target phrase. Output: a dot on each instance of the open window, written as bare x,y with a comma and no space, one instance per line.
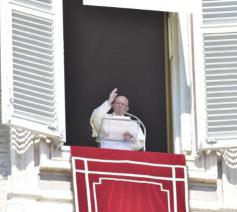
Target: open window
32,67
177,7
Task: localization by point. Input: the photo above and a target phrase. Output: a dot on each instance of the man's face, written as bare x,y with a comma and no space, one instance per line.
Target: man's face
120,105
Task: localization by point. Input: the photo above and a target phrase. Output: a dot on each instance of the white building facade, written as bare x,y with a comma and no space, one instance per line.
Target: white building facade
35,168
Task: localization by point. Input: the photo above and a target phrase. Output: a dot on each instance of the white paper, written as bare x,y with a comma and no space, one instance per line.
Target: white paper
113,129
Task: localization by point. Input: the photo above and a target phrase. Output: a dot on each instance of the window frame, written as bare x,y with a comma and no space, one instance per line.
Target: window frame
155,5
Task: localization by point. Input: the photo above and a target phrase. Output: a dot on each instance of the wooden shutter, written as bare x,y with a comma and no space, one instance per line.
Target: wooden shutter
220,55
32,67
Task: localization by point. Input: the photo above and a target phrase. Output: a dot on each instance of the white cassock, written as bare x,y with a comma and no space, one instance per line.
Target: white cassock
96,120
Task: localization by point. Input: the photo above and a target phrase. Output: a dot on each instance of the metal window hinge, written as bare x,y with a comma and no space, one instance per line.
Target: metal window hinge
211,140
52,126
12,100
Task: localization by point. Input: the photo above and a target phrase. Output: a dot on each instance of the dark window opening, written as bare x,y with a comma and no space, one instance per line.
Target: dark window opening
107,48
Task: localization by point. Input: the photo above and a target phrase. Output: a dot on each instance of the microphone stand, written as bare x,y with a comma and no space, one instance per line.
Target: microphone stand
143,126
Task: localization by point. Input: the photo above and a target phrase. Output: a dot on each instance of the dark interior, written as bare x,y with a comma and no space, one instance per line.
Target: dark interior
108,48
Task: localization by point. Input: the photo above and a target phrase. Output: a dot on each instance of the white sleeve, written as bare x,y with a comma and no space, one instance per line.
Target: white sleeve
97,117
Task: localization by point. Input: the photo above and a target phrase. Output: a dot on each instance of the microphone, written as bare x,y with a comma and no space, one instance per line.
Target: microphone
143,127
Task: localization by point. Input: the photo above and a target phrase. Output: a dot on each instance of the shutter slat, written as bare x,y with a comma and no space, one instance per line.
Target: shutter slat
33,62
212,9
220,94
221,64
221,68
37,4
221,86
39,89
34,99
32,36
32,53
27,67
220,53
222,116
223,129
39,26
44,2
34,67
33,93
218,74
32,18
33,42
220,47
33,110
31,117
226,92
32,30
36,106
222,112
223,19
33,39
216,110
33,76
37,49
218,1
214,81
220,122
20,78
32,58
219,103
224,57
222,98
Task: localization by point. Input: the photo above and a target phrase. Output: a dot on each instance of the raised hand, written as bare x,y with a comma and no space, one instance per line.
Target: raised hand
112,96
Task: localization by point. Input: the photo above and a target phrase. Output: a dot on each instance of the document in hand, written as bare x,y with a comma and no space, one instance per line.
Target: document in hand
113,129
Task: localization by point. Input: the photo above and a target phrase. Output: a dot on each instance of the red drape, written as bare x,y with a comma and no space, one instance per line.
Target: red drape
108,180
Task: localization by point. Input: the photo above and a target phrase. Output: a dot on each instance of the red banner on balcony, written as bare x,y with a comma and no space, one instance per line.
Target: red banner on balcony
108,180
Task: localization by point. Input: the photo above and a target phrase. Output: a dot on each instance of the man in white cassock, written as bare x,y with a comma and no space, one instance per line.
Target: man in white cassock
120,105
